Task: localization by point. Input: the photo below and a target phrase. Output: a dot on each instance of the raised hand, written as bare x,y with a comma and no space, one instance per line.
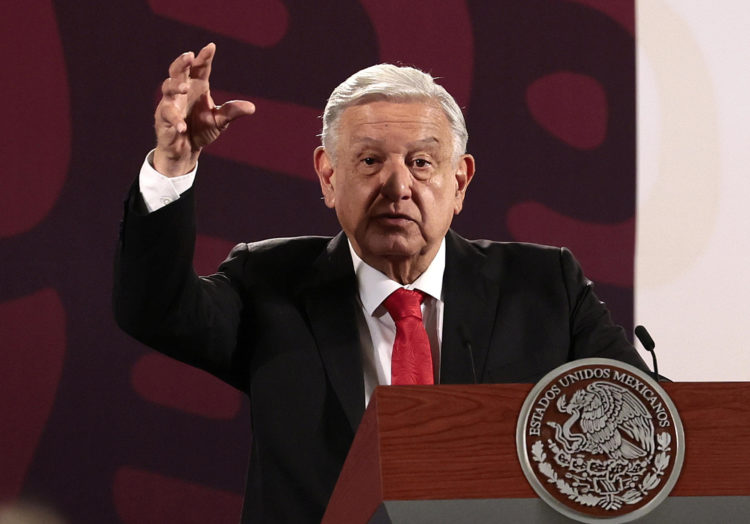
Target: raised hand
186,119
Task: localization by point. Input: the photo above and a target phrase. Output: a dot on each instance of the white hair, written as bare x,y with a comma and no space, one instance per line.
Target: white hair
395,84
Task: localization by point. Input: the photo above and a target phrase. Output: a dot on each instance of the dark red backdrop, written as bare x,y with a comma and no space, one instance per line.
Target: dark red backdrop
106,430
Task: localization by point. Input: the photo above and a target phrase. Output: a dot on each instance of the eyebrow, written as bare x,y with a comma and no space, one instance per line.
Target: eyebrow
417,143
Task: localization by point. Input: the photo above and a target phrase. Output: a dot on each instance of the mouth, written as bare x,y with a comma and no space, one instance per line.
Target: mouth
393,219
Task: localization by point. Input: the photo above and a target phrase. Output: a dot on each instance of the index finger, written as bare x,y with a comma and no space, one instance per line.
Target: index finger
180,67
201,67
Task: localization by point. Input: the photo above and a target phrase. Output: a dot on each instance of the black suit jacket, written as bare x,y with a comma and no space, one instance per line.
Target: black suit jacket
278,321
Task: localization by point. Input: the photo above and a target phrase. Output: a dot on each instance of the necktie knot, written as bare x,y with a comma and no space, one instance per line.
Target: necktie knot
404,303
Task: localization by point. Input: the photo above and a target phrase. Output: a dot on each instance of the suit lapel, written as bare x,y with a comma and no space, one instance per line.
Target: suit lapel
330,302
470,289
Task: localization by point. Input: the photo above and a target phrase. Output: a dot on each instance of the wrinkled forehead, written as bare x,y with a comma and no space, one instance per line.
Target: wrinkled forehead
413,115
406,125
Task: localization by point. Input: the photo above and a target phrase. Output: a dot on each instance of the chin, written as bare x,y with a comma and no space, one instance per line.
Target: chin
390,248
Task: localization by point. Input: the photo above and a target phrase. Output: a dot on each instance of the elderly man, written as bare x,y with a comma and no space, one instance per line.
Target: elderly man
308,326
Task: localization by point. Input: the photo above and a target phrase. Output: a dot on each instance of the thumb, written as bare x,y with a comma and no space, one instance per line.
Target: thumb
231,110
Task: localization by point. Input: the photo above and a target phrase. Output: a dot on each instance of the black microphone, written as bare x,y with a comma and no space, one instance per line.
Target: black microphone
470,351
648,345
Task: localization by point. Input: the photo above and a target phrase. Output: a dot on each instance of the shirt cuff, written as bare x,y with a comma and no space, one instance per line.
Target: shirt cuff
158,190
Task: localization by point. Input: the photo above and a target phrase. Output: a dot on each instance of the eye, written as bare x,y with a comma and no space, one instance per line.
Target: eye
368,161
421,163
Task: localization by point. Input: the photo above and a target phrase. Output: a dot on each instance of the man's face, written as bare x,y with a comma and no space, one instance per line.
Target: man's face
395,183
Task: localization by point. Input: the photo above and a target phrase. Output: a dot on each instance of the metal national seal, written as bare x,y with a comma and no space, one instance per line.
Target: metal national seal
600,440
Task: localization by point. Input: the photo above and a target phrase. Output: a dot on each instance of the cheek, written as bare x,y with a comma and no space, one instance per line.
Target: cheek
351,204
439,205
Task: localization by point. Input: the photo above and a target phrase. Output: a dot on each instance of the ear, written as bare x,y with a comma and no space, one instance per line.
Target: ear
324,169
464,175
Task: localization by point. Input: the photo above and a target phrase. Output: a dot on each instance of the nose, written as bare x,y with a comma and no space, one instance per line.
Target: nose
398,181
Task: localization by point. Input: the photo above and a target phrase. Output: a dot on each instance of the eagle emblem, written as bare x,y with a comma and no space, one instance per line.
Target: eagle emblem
598,438
612,421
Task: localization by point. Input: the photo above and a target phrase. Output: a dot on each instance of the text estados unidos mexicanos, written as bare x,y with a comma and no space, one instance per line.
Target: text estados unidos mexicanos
551,393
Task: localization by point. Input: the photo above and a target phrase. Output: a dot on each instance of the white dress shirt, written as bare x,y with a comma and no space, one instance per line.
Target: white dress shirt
377,330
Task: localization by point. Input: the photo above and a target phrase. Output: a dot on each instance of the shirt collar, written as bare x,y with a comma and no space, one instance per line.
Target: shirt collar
374,286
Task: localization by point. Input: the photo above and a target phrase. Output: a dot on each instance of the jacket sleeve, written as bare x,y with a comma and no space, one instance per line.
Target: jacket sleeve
593,334
159,300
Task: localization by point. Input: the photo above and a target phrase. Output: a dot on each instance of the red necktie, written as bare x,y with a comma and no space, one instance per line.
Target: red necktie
411,362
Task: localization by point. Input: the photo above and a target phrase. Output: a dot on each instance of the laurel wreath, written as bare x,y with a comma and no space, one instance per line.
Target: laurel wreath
632,496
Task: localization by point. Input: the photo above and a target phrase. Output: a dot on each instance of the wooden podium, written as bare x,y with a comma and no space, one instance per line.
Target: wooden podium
437,454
